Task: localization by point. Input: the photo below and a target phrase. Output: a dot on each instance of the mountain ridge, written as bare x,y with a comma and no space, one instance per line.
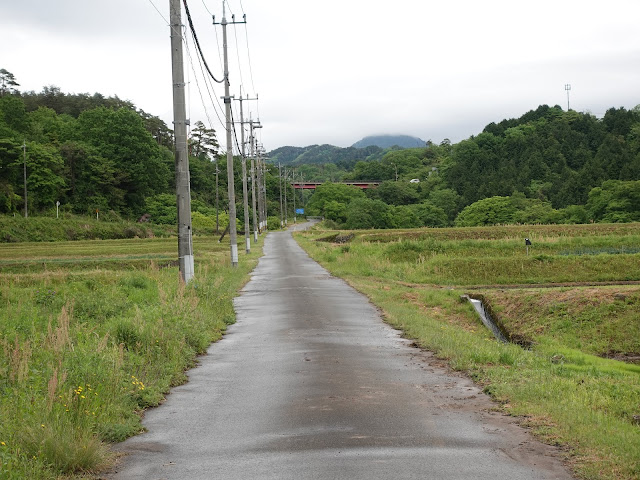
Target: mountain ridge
389,140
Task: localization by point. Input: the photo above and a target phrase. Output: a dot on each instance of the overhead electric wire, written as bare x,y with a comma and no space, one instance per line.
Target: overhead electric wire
249,59
208,91
159,12
246,35
207,8
195,38
235,34
235,134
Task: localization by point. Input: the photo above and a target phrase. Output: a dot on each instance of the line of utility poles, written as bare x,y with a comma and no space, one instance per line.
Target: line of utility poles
265,205
245,194
252,141
233,237
183,191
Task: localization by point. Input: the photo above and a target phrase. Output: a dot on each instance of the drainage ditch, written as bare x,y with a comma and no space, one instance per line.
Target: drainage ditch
487,319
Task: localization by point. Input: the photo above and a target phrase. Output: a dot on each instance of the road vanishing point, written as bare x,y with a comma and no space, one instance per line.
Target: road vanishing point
310,383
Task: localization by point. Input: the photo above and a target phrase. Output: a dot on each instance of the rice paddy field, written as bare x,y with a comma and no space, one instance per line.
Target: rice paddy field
569,303
91,334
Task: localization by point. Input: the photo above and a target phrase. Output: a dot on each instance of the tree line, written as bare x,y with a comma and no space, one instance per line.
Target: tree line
94,153
548,166
102,154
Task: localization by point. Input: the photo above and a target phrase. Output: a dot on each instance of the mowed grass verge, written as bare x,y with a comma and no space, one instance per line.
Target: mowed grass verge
94,332
561,384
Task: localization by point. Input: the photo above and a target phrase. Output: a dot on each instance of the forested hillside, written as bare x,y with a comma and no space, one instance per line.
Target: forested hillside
548,166
92,153
388,141
344,158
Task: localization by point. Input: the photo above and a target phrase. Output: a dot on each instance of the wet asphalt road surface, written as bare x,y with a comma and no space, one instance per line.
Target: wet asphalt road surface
311,384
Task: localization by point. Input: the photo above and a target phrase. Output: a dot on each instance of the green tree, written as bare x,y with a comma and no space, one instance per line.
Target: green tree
91,178
404,216
7,83
328,192
430,215
14,114
396,193
615,201
446,199
335,211
11,177
488,211
365,213
120,136
45,179
203,142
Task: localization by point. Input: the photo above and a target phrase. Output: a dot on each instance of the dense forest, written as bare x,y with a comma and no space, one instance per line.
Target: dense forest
92,153
548,166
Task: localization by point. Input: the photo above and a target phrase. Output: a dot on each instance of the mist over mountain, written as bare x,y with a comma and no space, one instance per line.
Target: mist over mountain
388,141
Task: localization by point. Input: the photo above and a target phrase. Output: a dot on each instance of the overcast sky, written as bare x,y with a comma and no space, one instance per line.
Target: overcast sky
334,71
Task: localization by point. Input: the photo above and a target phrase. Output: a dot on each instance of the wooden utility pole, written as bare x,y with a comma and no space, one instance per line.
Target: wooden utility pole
183,192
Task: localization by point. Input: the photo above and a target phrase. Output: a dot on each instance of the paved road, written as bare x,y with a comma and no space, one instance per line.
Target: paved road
311,384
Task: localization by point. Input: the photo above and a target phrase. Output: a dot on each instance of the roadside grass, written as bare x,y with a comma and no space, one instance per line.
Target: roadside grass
84,351
558,387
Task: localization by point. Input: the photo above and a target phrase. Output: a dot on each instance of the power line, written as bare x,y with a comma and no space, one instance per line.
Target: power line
195,38
235,134
159,12
249,57
207,8
195,76
235,34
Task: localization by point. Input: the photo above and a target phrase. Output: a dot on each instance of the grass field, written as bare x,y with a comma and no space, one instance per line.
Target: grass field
573,300
91,334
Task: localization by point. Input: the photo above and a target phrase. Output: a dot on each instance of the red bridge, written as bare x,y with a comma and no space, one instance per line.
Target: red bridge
314,185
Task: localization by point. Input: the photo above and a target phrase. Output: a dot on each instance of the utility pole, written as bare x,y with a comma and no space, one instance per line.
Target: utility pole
280,185
233,238
265,205
286,180
183,193
567,87
295,218
259,192
24,153
217,202
253,125
245,194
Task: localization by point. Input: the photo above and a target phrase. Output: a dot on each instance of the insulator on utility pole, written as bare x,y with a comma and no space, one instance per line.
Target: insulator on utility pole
183,191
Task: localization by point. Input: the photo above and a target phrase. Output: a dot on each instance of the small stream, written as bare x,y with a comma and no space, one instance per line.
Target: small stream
486,319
